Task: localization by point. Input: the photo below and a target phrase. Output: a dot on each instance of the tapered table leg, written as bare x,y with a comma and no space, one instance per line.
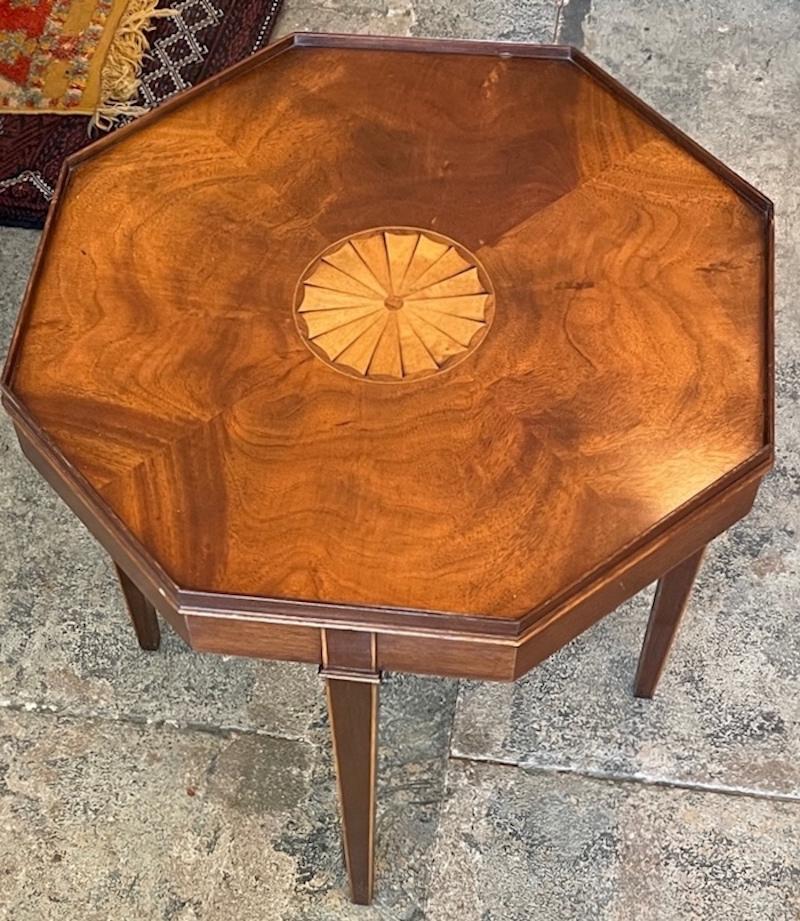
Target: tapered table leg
672,595
143,614
352,682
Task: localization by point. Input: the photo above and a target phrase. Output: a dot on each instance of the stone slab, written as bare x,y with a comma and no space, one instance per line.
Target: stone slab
520,846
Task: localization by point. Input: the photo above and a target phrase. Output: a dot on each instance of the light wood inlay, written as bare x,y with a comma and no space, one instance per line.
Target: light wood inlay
394,304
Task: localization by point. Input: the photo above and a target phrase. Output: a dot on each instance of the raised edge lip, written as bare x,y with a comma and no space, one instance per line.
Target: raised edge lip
557,50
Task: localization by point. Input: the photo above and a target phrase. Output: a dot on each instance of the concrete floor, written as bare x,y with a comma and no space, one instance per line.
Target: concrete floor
176,786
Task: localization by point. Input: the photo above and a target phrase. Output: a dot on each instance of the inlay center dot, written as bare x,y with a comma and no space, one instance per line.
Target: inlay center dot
393,302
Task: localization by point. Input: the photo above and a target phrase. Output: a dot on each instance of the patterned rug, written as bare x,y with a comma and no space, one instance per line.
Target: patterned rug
73,56
199,40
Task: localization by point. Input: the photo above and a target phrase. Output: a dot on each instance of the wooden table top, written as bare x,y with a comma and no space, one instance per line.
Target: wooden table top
433,326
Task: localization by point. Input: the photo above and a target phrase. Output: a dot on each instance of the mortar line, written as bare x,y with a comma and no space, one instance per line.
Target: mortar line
222,731
640,779
557,23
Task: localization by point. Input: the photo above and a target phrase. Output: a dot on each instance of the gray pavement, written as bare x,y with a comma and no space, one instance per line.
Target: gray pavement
179,786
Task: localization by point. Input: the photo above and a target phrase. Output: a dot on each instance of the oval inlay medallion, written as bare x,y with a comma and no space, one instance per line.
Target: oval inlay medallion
394,304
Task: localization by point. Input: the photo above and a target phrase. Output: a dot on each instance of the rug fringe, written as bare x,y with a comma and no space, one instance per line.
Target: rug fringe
120,78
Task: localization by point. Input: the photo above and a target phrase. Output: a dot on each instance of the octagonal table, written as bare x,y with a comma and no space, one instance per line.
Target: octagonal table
396,354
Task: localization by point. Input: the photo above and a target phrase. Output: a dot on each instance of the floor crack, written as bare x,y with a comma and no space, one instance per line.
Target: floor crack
221,731
641,778
571,16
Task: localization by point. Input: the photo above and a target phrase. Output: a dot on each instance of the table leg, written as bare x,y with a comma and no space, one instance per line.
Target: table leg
143,614
352,682
672,595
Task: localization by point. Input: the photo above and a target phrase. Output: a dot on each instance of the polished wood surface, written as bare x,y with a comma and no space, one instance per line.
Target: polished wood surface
142,613
406,642
621,381
669,603
351,678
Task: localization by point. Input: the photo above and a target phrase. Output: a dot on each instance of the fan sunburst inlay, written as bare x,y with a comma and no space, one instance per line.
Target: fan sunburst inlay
394,304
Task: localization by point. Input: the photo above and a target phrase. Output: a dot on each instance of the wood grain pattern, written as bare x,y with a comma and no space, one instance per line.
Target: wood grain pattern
624,381
479,653
394,304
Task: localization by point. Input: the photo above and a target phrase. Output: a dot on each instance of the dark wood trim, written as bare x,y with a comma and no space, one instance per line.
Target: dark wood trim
345,649
237,637
353,712
339,674
142,613
424,45
669,604
769,338
477,658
